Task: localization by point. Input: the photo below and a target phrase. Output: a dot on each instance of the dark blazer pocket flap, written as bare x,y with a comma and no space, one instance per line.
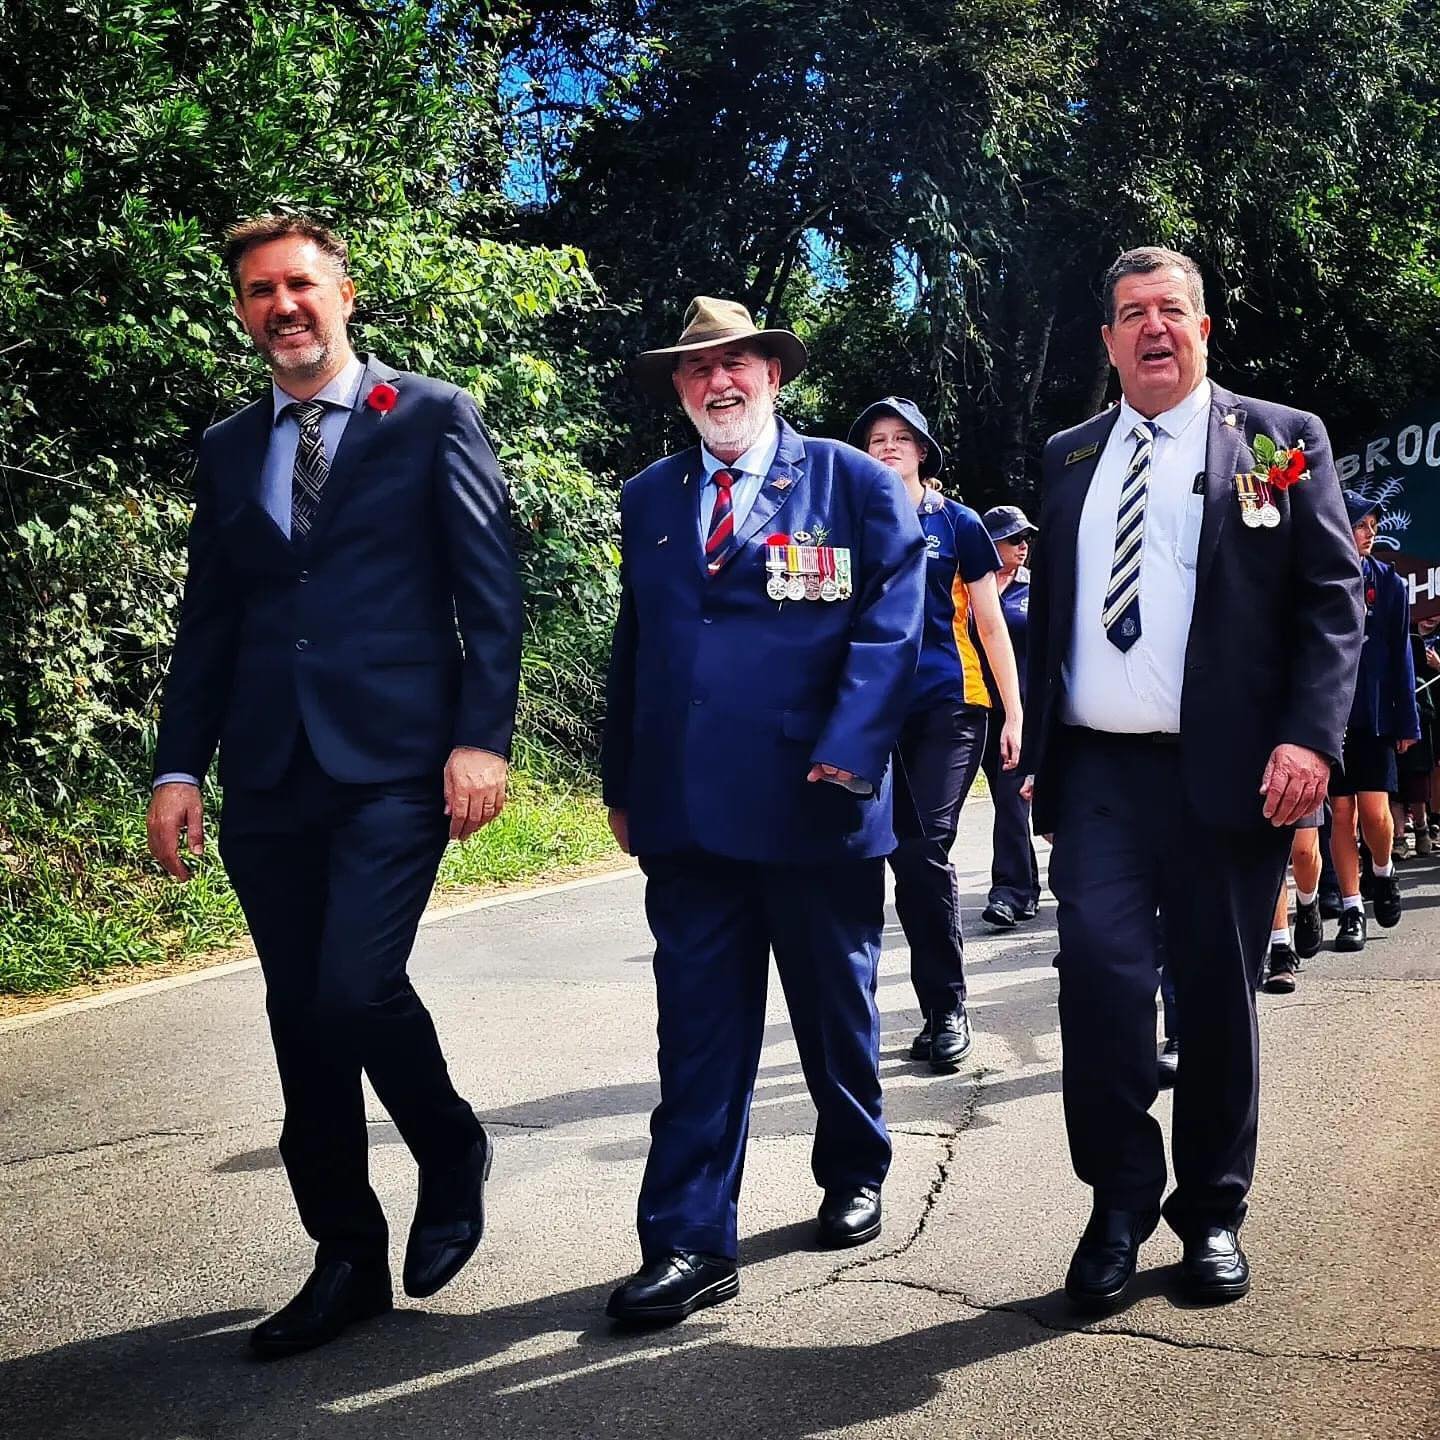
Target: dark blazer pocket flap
803,724
410,647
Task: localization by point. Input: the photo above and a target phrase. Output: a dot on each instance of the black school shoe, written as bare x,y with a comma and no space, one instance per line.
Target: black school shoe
1309,930
1351,935
1280,977
1385,897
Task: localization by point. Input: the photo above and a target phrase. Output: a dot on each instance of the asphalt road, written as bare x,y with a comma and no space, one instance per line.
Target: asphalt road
147,1223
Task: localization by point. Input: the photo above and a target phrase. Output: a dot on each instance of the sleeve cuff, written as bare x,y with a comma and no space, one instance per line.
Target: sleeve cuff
174,777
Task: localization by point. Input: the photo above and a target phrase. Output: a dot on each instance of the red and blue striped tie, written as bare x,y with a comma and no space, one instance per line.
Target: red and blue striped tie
722,521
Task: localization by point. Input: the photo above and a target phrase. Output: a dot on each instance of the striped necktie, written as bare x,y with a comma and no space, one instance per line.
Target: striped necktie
1121,615
722,521
312,468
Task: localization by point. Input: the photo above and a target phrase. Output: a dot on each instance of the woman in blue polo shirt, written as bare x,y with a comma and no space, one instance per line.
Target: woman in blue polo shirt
943,737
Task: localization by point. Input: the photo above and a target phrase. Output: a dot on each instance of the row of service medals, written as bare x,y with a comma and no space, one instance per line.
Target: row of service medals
807,572
1257,502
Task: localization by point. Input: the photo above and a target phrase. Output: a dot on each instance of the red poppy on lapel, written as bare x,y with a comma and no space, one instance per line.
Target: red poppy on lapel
382,398
778,538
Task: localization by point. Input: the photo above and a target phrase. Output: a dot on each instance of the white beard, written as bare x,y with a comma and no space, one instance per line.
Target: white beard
736,429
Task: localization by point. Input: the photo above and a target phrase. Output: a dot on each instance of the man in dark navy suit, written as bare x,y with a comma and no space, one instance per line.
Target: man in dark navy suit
769,625
350,638
1195,622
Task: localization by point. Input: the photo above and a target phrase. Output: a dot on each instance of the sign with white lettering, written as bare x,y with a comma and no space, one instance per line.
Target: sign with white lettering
1400,467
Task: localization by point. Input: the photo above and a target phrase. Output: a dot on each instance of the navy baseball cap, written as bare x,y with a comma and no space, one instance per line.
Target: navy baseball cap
1004,522
910,413
1358,507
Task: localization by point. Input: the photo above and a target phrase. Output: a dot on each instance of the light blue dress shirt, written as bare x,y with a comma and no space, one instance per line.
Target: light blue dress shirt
277,472
749,471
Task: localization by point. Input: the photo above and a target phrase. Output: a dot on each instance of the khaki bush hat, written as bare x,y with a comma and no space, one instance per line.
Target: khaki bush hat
708,322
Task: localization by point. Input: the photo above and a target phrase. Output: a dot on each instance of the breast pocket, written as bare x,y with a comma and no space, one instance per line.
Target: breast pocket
1188,544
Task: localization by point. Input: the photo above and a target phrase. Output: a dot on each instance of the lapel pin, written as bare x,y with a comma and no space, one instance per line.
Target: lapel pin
662,539
1230,419
782,482
1083,453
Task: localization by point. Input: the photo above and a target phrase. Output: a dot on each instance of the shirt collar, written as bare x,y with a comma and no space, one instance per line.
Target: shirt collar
340,392
757,460
1173,422
931,501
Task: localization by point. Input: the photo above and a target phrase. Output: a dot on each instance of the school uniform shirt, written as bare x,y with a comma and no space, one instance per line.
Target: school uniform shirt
1015,607
959,552
1384,703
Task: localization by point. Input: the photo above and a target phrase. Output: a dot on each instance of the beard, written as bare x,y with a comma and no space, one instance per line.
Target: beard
305,361
734,429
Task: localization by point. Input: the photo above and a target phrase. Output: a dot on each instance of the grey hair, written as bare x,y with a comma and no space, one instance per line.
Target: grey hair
1145,260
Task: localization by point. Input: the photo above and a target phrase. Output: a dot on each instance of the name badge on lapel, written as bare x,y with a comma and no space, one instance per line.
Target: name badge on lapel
1083,453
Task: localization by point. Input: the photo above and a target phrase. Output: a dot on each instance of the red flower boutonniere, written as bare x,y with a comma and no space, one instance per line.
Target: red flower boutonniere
382,398
1274,469
778,538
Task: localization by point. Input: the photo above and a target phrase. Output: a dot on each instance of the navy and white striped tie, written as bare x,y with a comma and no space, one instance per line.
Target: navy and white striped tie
312,468
1121,615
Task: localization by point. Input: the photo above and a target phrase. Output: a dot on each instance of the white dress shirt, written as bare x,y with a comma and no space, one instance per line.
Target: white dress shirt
1137,691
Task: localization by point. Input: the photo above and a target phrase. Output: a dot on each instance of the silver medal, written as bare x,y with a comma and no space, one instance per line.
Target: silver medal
829,590
1269,516
795,588
776,588
812,587
1251,516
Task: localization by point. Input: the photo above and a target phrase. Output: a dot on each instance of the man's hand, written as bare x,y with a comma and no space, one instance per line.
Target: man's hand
1294,783
830,772
1010,745
474,789
620,828
1027,789
173,808
1401,746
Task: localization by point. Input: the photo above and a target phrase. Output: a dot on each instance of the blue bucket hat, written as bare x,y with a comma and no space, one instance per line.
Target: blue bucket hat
1358,507
910,413
1004,522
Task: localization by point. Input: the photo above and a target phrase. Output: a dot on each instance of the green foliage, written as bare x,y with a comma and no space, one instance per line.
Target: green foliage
119,169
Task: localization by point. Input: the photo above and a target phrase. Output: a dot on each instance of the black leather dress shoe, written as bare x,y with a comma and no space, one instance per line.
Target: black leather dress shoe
449,1220
1351,935
1309,929
1167,1063
1329,903
1000,914
920,1045
1213,1268
848,1217
1281,968
1386,900
337,1294
950,1039
1104,1261
670,1288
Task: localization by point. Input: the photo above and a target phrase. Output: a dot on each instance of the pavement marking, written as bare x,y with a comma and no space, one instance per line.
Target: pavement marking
232,967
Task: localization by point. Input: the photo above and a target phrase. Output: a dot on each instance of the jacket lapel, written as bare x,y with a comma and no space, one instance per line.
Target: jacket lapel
784,479
244,461
1061,516
1226,455
360,432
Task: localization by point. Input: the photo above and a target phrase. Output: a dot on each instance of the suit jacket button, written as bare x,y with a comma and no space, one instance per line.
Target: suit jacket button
303,577
302,644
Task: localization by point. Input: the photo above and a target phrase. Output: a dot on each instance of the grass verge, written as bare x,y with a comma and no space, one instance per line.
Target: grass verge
81,901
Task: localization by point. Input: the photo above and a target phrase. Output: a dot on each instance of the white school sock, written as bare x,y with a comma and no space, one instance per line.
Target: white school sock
1304,898
1280,936
1351,902
1384,871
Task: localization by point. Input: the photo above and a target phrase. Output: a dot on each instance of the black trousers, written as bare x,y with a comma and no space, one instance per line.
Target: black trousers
333,880
1014,870
1126,845
936,762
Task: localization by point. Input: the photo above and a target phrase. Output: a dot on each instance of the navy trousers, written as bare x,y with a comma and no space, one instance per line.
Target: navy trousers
333,880
715,922
1014,870
936,762
1126,845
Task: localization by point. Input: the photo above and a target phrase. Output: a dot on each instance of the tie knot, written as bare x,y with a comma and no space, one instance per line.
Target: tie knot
1145,431
308,412
723,478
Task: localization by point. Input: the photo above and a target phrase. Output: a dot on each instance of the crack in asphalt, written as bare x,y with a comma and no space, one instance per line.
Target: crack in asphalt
1362,1357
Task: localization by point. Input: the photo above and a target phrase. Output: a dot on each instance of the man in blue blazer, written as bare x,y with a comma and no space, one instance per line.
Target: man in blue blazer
769,625
1195,622
350,639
